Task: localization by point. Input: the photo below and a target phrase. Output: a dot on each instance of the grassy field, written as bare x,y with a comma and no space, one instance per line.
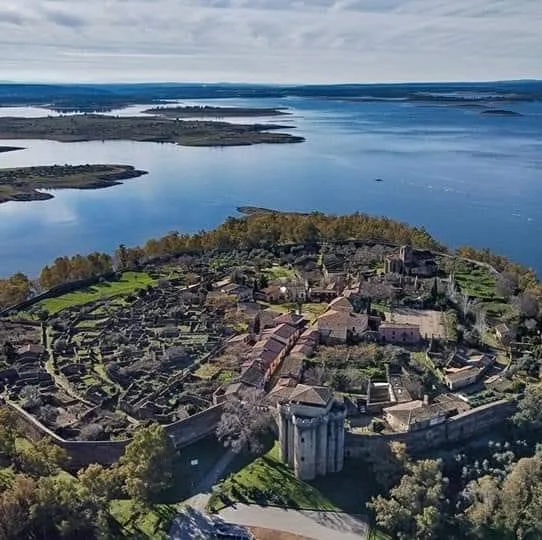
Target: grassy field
268,480
129,283
476,282
139,523
279,272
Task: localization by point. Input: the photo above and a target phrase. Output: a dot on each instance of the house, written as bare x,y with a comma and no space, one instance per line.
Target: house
418,414
322,295
273,294
463,370
411,262
241,292
399,333
292,318
284,333
336,327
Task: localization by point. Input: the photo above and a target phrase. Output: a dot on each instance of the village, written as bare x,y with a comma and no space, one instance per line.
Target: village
383,328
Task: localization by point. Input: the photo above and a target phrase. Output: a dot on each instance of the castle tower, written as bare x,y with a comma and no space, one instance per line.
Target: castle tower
311,431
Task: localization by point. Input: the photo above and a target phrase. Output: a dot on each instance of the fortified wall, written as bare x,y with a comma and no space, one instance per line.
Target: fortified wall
83,453
459,428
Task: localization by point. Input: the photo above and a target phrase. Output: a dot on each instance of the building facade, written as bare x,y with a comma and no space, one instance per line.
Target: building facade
311,432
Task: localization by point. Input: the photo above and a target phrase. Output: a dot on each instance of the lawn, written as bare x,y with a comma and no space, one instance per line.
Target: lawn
269,481
279,272
129,283
142,523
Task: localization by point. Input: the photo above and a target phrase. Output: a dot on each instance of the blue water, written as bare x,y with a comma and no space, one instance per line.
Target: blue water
468,179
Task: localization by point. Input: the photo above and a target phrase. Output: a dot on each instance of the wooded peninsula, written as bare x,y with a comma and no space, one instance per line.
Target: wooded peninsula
208,111
22,184
95,127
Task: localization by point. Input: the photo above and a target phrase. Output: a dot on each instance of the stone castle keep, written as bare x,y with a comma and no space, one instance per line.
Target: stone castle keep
311,431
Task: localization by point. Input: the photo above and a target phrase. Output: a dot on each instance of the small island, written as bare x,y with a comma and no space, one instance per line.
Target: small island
22,184
499,112
208,111
4,149
95,127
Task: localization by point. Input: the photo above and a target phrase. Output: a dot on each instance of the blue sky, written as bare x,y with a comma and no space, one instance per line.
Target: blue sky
270,40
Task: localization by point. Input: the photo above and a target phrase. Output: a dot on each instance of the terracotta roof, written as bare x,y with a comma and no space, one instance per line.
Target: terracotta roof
341,303
284,331
269,344
254,375
292,319
311,395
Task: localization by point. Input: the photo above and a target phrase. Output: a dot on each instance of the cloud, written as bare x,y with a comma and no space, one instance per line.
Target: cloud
270,40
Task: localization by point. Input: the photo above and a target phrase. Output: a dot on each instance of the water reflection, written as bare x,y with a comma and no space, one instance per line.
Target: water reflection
467,179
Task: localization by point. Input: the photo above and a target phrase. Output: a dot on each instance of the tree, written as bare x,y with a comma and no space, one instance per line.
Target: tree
43,458
102,484
147,464
244,423
529,414
415,506
7,435
527,305
63,508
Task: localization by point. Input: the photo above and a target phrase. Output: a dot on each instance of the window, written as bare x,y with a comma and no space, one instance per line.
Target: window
302,458
302,439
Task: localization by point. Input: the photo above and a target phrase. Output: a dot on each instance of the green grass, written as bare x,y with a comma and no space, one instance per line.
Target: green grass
207,371
422,359
267,480
476,282
129,283
279,272
142,523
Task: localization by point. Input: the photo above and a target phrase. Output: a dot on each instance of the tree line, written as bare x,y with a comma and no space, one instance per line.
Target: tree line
259,230
495,493
39,500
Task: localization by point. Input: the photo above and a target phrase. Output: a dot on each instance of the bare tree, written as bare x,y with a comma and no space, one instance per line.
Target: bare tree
480,318
244,423
526,304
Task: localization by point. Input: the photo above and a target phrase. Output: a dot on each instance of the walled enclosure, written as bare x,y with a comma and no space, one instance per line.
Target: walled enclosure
459,428
83,453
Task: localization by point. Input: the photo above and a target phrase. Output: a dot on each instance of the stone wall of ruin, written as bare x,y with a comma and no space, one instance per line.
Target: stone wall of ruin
83,453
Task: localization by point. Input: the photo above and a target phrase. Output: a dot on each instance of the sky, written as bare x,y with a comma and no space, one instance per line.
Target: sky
270,41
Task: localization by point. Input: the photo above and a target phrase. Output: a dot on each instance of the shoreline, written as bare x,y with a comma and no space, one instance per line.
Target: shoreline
30,181
194,133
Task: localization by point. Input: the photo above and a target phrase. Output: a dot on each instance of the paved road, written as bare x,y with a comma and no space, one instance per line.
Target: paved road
200,500
316,525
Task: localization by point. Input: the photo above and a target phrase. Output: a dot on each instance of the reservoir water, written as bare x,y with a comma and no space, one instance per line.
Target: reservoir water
467,178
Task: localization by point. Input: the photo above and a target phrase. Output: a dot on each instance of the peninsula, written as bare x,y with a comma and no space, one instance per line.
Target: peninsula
22,184
92,127
4,149
208,111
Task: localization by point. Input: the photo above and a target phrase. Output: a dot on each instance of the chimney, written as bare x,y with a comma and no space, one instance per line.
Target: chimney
426,400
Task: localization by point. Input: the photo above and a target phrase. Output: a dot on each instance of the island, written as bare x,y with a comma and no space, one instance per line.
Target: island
4,149
22,184
208,111
93,127
499,112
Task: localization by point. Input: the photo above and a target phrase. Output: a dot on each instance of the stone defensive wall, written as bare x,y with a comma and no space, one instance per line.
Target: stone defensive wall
462,427
82,453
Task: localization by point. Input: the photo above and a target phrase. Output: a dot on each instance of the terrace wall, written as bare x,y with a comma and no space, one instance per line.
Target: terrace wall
459,428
